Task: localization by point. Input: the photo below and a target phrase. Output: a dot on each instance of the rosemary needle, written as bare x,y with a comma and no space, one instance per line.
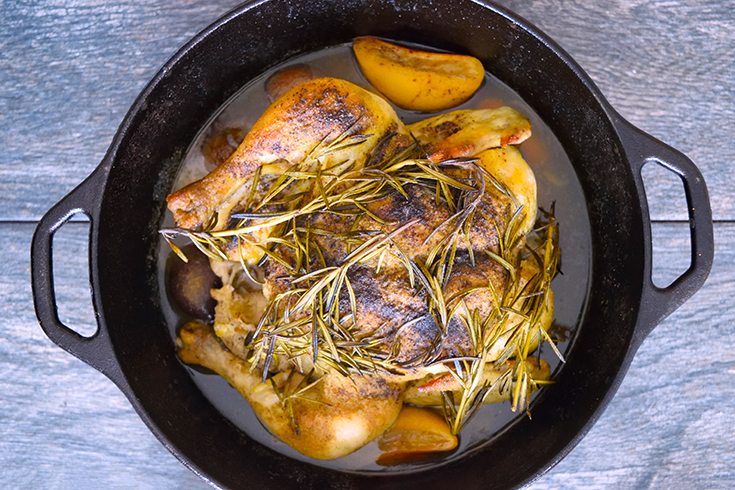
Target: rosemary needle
307,319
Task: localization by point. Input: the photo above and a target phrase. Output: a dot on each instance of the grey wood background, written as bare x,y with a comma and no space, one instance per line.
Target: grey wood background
70,69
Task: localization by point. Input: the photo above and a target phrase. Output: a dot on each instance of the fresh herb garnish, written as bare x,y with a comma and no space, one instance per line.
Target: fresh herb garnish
306,321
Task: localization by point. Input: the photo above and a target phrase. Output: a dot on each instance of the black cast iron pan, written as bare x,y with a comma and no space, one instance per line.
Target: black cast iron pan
124,200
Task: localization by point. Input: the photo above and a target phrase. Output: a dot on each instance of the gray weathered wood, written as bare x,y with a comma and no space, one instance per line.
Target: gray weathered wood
666,66
68,74
62,424
69,70
671,424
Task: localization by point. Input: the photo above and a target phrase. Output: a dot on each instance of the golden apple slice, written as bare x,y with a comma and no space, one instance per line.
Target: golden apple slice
418,80
417,432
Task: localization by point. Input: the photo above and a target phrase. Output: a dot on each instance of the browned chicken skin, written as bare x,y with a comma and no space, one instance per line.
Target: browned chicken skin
339,414
313,113
389,307
336,417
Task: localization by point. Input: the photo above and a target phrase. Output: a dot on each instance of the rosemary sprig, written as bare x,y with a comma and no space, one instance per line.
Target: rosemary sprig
308,320
516,316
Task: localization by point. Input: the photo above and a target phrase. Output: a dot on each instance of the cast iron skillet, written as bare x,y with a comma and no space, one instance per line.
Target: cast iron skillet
124,197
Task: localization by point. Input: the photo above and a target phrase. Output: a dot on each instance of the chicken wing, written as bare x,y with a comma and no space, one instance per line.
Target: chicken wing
465,133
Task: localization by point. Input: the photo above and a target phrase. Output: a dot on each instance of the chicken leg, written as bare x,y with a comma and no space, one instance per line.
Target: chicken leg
313,113
332,419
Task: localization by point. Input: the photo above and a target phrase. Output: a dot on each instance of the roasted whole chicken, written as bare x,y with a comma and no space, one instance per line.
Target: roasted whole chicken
366,263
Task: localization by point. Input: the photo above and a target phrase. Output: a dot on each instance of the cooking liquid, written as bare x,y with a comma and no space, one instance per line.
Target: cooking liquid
557,184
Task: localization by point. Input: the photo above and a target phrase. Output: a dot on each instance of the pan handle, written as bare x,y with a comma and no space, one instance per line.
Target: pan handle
657,303
95,350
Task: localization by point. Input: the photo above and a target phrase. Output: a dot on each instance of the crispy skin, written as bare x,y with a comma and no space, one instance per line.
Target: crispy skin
421,208
394,313
317,111
465,133
476,275
340,416
389,308
508,166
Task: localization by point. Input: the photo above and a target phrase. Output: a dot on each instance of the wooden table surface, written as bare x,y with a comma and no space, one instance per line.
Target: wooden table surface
69,71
